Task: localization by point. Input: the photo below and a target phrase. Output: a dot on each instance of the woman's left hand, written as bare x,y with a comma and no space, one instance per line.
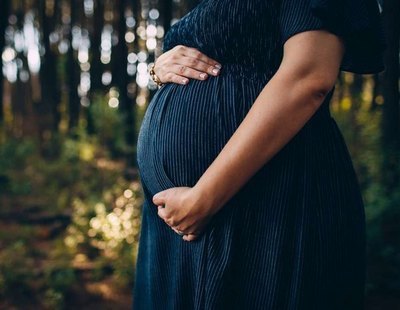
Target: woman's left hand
184,210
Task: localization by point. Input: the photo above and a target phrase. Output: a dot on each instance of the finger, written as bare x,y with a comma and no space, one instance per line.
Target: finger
187,71
197,60
162,212
189,237
196,64
176,230
159,198
175,78
195,53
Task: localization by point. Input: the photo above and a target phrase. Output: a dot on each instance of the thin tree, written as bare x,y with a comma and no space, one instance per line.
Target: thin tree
96,65
72,75
49,112
391,113
121,78
4,10
167,13
376,92
191,4
391,116
119,56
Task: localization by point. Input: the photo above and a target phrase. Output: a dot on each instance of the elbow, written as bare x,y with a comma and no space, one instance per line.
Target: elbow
318,88
321,90
312,72
309,87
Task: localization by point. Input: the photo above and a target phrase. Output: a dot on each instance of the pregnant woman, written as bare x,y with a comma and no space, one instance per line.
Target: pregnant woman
251,198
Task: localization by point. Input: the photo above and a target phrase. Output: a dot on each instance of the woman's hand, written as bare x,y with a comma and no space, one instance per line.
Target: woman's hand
183,210
182,62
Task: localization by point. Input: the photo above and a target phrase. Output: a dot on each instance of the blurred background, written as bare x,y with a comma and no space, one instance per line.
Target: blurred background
73,91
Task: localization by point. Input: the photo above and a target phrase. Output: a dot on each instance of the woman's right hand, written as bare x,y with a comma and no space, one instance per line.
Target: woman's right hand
181,63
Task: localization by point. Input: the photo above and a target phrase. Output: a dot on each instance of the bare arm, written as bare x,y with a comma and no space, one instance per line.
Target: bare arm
307,73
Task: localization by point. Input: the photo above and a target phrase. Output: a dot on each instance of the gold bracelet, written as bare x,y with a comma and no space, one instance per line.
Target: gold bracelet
154,77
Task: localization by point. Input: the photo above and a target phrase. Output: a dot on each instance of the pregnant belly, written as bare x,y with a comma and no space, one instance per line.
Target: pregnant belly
186,126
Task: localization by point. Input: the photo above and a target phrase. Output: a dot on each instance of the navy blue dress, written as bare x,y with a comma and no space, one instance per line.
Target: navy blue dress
293,237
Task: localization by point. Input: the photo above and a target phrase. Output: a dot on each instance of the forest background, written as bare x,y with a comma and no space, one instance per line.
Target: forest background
73,91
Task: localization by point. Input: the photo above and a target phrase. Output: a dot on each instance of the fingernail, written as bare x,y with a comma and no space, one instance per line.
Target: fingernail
203,75
218,66
184,81
215,71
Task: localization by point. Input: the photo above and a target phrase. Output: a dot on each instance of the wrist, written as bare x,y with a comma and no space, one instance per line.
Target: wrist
154,76
206,198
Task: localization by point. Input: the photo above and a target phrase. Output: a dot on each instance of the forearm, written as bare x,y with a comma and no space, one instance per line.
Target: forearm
279,112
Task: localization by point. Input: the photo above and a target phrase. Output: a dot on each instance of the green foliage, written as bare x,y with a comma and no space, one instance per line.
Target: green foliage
15,271
109,126
362,130
14,155
23,281
60,279
108,230
53,299
123,271
85,182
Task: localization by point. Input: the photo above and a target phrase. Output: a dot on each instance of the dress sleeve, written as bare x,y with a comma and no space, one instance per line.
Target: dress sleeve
358,22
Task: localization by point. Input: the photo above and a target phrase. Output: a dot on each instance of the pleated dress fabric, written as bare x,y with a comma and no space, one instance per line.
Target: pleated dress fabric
293,237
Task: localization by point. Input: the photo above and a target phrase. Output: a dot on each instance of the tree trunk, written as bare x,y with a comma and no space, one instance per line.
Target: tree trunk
72,76
48,114
96,65
166,10
191,4
391,116
137,12
119,56
121,80
4,10
376,92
